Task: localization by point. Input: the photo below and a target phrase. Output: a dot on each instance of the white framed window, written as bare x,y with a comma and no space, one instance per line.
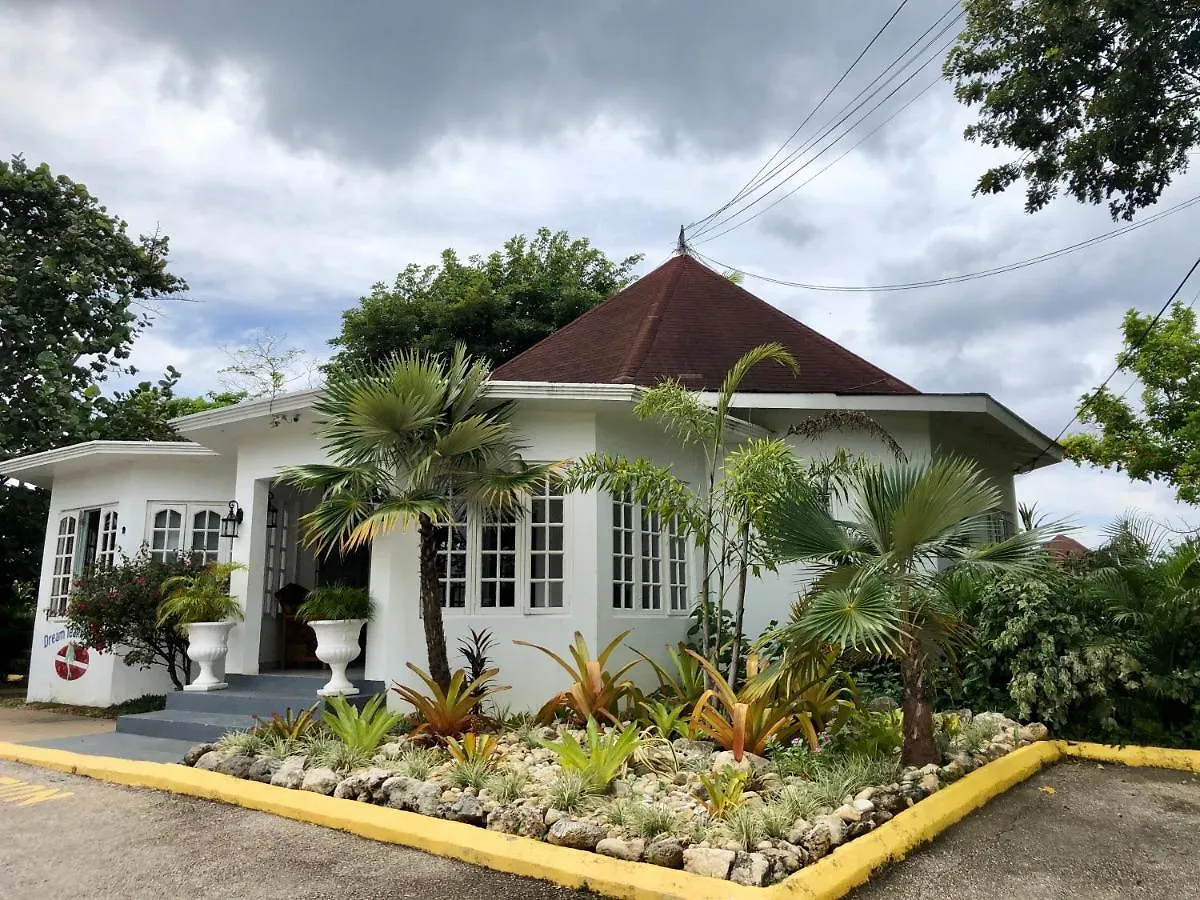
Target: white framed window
106,554
641,541
498,563
452,551
64,564
185,528
547,527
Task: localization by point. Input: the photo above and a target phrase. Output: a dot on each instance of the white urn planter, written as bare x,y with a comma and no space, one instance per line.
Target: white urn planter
208,642
337,647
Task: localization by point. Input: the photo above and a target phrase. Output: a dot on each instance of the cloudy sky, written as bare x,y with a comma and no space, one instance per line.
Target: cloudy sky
296,151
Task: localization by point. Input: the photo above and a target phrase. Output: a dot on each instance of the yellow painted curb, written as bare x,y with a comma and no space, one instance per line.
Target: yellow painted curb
852,863
1154,757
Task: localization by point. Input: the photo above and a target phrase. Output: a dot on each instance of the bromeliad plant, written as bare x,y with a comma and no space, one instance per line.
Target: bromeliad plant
724,789
685,683
602,759
594,692
740,723
361,730
287,726
474,759
448,713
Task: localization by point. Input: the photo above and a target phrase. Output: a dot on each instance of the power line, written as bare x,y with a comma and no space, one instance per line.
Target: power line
812,112
968,276
856,103
1132,349
866,137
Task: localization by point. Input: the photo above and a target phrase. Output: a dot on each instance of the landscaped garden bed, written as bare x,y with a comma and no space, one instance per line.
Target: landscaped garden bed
629,789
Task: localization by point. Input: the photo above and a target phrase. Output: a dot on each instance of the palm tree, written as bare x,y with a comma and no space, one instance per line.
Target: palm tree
886,572
413,439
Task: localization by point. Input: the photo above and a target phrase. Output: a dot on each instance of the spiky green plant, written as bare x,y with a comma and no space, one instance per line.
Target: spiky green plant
724,788
411,439
507,786
651,820
602,759
474,772
799,801
570,790
364,729
245,743
281,747
341,757
336,602
416,762
667,721
776,820
745,825
622,812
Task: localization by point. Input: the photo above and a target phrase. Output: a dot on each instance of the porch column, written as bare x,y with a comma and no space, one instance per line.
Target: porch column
249,549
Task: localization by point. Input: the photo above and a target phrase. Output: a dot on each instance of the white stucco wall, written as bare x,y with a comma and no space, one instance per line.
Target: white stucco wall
132,488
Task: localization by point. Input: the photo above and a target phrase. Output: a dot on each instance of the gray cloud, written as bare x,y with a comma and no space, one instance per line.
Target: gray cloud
383,80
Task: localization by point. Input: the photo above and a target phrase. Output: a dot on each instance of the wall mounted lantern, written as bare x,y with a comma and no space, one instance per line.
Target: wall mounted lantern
230,523
272,511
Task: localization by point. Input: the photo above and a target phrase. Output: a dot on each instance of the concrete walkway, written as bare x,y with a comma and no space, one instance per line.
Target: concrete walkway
1106,832
21,725
105,841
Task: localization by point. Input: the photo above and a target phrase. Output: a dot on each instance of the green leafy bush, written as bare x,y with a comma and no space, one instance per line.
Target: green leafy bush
201,596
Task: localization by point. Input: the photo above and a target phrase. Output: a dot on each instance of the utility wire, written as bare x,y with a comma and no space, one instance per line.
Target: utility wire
968,276
812,112
1132,349
866,137
864,96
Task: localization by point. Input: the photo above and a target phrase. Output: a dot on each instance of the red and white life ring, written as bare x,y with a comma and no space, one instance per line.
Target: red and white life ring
71,661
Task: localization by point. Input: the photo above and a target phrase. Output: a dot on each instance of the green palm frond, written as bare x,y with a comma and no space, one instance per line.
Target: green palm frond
798,527
772,352
864,616
679,411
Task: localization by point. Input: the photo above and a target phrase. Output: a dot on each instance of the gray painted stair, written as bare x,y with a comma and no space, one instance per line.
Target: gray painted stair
199,716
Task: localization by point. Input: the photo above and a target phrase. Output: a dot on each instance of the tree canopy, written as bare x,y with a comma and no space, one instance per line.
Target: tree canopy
1161,438
496,306
1100,98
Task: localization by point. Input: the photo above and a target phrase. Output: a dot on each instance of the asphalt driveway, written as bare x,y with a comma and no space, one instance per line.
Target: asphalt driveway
1076,831
82,838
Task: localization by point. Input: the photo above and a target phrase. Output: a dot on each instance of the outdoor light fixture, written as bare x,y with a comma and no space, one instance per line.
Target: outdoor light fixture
229,524
272,512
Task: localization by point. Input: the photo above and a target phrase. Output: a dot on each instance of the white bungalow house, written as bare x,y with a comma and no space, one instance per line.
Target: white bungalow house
585,562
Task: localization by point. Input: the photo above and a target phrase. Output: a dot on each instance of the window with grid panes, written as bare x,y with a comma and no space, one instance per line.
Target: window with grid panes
546,533
64,565
651,560
498,562
166,534
106,553
624,557
452,549
206,535
677,563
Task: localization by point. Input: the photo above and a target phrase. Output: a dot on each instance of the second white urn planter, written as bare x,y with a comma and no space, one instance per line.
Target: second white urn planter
208,642
337,647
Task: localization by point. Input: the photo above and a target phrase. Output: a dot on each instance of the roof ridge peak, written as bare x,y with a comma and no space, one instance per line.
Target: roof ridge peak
643,341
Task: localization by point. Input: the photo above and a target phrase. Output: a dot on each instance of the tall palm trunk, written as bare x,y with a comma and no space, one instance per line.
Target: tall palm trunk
431,604
740,611
920,746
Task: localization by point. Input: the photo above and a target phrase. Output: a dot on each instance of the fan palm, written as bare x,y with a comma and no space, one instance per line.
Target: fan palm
884,572
413,440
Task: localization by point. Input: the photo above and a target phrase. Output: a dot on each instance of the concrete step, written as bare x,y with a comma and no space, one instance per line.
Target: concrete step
184,724
297,683
239,702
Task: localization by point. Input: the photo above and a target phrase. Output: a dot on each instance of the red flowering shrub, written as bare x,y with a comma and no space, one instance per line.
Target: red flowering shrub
114,609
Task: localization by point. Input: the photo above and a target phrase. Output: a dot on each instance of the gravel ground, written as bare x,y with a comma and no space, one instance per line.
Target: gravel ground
107,841
1105,832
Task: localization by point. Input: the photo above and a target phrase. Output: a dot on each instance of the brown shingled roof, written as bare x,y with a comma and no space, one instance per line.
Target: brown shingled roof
685,321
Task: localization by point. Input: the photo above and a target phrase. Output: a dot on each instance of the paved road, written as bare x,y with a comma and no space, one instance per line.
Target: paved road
1105,833
105,841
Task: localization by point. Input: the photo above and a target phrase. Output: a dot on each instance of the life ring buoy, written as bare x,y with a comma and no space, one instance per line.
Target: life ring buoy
71,661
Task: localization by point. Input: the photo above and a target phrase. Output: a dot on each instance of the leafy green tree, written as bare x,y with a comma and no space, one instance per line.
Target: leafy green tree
74,292
1161,438
413,439
1100,98
142,413
496,306
887,568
